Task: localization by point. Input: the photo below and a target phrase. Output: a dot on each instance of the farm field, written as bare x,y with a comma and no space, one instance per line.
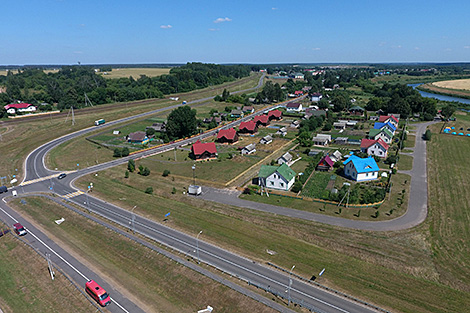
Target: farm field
392,269
135,72
154,282
26,285
460,84
452,91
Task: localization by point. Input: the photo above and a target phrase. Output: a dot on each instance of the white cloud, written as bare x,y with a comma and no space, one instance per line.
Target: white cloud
82,25
273,8
466,47
78,52
448,49
166,26
417,48
213,29
315,49
222,19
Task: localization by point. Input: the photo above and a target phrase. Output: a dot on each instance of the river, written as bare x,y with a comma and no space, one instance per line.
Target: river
440,97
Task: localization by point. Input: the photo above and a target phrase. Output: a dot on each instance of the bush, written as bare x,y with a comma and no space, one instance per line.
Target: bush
149,190
125,151
126,175
427,135
131,165
117,153
144,171
297,186
173,191
166,173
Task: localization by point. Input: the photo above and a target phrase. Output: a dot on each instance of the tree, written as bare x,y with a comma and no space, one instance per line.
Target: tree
125,151
149,190
427,135
117,153
126,174
131,165
297,186
304,139
448,110
323,103
182,122
150,132
166,173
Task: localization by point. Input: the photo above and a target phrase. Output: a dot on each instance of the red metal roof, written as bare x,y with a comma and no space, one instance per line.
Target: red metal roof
262,119
199,148
250,125
275,113
18,106
366,143
327,160
227,133
383,118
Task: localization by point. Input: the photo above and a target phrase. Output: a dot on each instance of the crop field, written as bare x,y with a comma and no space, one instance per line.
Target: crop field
459,84
135,72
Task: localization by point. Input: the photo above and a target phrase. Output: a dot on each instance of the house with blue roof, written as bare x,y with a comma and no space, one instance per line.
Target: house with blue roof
361,169
388,125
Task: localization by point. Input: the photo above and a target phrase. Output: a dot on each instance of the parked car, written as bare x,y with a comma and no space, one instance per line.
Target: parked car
3,189
62,175
19,229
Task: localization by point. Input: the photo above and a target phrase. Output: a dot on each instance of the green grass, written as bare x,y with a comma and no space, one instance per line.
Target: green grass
405,163
27,287
393,270
316,186
410,141
140,273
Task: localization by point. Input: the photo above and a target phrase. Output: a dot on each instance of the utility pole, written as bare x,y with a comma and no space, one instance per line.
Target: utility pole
290,284
197,247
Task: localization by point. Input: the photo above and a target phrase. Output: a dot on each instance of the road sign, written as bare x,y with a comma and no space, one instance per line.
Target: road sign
168,214
321,273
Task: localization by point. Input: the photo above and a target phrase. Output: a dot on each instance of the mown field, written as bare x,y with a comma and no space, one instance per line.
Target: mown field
459,84
135,72
26,286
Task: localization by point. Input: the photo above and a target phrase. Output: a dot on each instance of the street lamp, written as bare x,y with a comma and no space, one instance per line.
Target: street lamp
133,219
290,284
194,175
197,247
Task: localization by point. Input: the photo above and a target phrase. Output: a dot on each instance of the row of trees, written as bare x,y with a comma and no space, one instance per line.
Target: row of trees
68,86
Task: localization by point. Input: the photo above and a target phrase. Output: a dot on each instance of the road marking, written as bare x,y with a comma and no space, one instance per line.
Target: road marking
122,308
73,194
32,181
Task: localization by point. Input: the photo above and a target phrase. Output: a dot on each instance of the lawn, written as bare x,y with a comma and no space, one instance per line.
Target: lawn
316,186
26,285
393,269
410,141
405,163
156,283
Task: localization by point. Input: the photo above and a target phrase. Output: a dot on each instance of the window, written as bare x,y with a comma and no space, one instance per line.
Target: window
282,184
272,183
367,174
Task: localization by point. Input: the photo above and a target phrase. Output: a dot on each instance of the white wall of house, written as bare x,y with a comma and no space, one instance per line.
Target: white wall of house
11,111
384,137
377,150
31,108
276,181
350,171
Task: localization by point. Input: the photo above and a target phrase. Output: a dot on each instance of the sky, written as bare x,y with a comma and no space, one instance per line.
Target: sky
255,31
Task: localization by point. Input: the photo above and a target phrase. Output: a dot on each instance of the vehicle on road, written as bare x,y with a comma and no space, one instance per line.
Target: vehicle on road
3,189
184,102
62,175
99,122
96,292
19,229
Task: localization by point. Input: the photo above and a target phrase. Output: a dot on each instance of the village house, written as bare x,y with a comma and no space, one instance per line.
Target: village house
281,132
294,107
341,140
203,151
299,76
383,134
295,124
250,149
276,177
275,115
248,109
236,113
138,137
228,136
339,125
158,127
321,140
261,120
389,118
325,164
388,125
311,112
266,140
316,96
285,158
20,108
361,169
356,110
374,147
249,127
335,156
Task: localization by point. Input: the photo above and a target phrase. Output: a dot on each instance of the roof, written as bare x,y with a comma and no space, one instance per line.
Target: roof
366,143
374,132
339,123
356,108
275,113
227,133
248,108
298,92
261,118
18,106
287,156
383,118
295,105
267,138
137,136
316,94
284,170
250,125
379,125
365,165
236,112
199,148
250,147
327,160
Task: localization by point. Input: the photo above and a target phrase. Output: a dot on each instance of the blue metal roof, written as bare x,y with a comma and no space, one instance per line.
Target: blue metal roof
379,125
365,165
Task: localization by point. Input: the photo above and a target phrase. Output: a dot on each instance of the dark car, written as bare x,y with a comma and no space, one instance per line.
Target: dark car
63,175
19,229
3,189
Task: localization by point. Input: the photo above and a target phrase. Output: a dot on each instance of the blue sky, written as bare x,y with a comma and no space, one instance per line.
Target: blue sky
256,31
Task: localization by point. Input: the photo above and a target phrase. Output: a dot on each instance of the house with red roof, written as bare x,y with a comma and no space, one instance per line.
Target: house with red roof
389,118
325,164
249,127
19,107
374,147
204,151
262,120
298,93
228,136
275,115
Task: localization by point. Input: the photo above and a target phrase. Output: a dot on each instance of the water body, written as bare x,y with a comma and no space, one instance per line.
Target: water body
440,97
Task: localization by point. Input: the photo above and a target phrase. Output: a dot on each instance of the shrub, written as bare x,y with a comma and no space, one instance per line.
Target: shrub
125,151
427,135
117,153
149,190
297,186
131,165
166,173
126,175
173,191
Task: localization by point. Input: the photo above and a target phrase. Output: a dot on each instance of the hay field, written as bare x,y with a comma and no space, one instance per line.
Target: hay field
135,72
460,84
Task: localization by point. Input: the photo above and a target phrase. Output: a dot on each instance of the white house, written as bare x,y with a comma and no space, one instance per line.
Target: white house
294,107
19,107
285,158
276,177
374,147
321,140
266,140
316,97
359,169
251,148
383,134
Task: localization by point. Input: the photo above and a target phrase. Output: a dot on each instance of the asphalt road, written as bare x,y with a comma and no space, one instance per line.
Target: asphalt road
233,264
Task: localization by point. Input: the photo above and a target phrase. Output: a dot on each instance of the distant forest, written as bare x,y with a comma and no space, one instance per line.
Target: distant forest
68,86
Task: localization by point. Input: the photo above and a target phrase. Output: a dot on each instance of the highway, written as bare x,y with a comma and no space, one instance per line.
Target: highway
230,263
